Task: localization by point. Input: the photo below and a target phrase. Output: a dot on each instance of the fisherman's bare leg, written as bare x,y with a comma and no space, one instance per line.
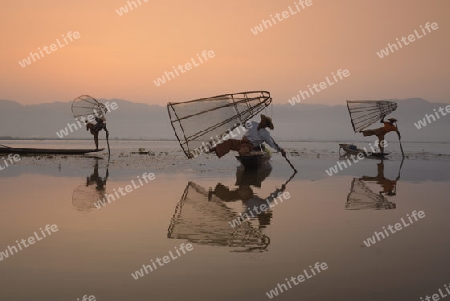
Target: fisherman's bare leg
370,132
225,194
96,140
225,147
380,168
381,142
245,148
367,133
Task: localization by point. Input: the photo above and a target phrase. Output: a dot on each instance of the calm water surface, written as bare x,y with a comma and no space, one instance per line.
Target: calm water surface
326,219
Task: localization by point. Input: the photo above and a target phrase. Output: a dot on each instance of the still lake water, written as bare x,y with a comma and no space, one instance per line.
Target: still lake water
326,219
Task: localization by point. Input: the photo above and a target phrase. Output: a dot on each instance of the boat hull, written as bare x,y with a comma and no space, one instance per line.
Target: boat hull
44,151
348,149
253,161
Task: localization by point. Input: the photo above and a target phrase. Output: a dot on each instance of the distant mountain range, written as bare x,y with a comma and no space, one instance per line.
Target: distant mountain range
302,122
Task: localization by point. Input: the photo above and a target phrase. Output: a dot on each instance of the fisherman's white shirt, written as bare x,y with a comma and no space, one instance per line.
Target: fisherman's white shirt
257,137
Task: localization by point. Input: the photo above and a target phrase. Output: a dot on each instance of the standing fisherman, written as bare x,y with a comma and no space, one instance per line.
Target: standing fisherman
381,132
97,127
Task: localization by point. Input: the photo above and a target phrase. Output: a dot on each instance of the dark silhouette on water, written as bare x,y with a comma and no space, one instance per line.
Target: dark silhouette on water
245,179
94,189
362,197
387,127
203,217
95,128
95,179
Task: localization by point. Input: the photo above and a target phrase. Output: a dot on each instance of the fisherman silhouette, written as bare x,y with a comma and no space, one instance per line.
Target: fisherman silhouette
245,179
85,195
253,139
362,197
389,186
387,127
95,179
203,217
96,128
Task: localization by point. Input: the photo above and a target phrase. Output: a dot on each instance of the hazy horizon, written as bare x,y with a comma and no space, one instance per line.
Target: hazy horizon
301,122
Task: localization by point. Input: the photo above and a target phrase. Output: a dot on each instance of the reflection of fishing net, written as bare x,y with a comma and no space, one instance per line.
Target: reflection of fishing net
206,119
84,197
364,113
85,105
204,221
361,197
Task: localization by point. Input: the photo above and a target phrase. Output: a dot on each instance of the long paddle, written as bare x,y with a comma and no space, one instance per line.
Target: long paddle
400,140
107,141
292,166
399,170
293,175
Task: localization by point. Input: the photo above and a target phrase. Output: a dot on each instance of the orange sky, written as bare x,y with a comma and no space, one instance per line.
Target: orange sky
120,56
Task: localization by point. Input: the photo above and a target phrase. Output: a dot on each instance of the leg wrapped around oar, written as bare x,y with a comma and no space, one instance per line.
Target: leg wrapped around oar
243,146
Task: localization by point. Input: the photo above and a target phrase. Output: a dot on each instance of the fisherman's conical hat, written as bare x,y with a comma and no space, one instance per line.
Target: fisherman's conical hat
268,119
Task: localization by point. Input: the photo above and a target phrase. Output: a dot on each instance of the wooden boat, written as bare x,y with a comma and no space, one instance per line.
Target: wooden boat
46,151
353,150
255,160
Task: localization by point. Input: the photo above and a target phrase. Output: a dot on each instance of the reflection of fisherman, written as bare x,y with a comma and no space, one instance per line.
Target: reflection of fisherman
251,201
95,179
97,127
362,197
381,132
86,196
389,186
252,140
245,193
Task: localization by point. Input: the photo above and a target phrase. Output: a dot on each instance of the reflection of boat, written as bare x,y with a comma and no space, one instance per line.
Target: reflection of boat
245,179
362,197
254,177
354,150
255,160
203,217
46,151
85,195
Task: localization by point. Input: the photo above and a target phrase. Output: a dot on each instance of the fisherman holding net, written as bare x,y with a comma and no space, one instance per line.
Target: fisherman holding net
381,132
252,140
95,128
88,110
